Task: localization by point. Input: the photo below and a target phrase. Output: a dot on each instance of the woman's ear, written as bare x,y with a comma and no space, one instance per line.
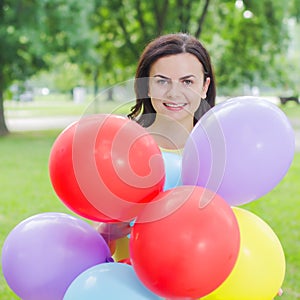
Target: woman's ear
205,88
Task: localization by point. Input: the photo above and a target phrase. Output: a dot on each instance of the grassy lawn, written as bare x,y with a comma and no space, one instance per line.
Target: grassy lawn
26,189
280,209
24,184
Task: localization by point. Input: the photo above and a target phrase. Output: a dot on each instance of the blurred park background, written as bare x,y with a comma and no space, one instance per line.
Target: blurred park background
78,49
60,59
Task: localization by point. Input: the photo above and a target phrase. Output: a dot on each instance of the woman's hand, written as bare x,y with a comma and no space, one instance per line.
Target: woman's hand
113,231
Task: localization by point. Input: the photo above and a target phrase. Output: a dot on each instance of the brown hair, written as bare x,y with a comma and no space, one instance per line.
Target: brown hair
166,45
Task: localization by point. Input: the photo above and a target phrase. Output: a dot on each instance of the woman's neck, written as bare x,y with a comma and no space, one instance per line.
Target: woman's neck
169,133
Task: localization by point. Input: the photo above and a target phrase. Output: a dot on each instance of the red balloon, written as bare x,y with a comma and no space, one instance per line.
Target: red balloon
125,261
63,177
190,251
106,167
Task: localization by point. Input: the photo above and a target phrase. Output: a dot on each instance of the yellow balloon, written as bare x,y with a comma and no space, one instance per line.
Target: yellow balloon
122,249
260,267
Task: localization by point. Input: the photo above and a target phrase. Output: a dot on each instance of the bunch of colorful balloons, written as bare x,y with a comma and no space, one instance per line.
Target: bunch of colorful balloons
189,239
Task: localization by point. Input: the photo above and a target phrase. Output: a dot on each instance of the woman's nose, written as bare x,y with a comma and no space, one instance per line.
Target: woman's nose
174,90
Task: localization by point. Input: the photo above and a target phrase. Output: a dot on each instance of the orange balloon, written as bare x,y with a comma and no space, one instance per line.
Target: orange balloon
189,247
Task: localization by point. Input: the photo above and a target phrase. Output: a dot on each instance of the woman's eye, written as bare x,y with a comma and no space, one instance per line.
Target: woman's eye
187,82
162,82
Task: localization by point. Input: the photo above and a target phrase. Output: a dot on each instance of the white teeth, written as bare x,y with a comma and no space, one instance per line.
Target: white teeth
174,104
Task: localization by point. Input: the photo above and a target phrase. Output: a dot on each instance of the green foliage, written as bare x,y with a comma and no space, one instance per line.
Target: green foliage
294,7
250,41
103,39
31,30
128,25
247,43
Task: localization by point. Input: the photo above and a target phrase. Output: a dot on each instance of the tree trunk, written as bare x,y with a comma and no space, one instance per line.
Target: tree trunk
201,19
110,94
3,127
95,79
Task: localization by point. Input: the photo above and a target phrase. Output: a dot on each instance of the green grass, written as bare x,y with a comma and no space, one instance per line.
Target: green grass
24,183
291,109
280,209
26,189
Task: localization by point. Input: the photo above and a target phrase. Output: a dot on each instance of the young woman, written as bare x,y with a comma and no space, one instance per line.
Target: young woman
174,86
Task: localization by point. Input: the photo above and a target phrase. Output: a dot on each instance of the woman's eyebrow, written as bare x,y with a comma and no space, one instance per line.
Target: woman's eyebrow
187,76
162,76
181,78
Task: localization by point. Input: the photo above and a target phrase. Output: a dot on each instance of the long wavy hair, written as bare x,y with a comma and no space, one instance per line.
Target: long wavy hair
165,45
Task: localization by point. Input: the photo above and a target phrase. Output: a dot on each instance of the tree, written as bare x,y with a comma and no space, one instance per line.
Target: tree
252,38
294,8
119,29
128,25
17,60
30,32
246,38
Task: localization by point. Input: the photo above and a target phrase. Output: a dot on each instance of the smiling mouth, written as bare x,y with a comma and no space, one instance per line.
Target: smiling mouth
174,105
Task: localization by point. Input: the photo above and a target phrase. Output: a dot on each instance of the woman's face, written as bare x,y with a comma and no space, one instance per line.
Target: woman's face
176,86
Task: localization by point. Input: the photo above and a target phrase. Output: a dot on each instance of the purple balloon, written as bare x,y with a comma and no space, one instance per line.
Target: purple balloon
43,254
240,149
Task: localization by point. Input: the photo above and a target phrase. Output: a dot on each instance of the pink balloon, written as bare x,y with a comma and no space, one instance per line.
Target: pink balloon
43,254
241,149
